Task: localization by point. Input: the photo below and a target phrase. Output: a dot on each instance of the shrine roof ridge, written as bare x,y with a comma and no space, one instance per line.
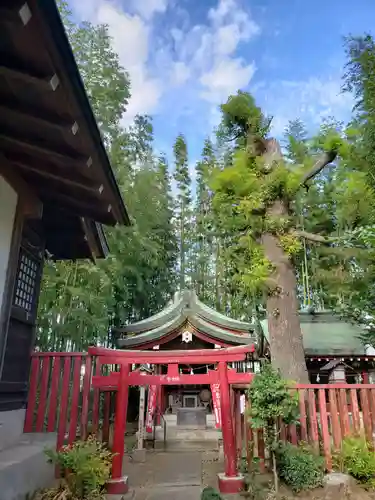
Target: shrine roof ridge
187,303
174,325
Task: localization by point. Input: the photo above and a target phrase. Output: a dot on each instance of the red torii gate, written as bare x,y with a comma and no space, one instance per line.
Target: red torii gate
230,481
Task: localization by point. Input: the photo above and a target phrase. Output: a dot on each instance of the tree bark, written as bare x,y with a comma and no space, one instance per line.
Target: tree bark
285,336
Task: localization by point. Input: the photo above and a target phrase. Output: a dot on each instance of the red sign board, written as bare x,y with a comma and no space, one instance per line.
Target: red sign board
215,391
151,406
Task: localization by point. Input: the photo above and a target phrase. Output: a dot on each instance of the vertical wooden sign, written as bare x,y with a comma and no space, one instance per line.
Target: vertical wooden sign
141,419
151,406
215,391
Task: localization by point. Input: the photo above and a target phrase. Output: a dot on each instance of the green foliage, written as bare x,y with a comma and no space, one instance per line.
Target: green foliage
299,467
357,459
296,141
291,244
210,493
86,466
81,302
241,116
271,398
183,207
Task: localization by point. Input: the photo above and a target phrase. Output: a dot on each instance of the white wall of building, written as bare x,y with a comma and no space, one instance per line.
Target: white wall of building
8,204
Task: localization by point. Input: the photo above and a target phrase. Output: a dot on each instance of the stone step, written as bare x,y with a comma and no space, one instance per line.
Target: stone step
171,418
186,434
24,467
193,434
177,445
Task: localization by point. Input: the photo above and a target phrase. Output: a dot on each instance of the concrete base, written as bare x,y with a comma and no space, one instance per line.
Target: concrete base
24,468
139,456
11,427
118,486
230,484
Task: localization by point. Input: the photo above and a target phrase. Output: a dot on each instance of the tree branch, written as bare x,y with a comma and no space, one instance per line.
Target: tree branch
315,238
322,162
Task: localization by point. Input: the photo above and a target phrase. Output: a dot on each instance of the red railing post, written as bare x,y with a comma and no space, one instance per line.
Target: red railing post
96,401
119,483
335,421
75,400
325,431
367,424
86,397
314,435
344,413
43,394
64,404
54,395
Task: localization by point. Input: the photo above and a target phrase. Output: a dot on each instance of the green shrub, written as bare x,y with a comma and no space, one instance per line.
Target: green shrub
210,494
357,459
85,466
299,467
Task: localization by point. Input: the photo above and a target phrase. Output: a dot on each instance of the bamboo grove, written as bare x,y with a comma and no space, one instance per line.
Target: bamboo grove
266,227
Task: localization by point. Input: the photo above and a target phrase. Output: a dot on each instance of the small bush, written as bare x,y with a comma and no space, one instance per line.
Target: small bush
210,494
357,459
299,467
85,466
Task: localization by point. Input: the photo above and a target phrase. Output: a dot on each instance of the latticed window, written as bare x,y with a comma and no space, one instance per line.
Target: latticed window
26,282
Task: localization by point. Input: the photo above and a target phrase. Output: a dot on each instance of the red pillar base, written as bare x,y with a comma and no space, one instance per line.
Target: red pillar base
230,484
118,486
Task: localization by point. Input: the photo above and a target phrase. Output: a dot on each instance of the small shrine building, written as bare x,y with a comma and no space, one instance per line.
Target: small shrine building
334,352
186,324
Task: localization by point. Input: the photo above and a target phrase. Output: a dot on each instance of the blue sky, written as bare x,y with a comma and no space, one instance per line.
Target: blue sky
186,56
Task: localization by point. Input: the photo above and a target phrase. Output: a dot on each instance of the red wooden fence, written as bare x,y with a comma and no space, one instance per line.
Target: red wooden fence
61,400
328,413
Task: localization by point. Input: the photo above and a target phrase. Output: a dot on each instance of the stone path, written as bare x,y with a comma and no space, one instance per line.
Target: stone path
167,476
169,493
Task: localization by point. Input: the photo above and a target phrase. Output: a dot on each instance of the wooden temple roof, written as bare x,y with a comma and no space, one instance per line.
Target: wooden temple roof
49,137
326,334
186,312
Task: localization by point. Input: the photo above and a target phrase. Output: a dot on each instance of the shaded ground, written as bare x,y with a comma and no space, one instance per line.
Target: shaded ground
162,468
183,475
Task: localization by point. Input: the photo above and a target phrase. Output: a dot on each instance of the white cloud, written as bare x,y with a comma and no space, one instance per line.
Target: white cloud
147,8
230,26
310,100
201,58
131,40
225,78
180,73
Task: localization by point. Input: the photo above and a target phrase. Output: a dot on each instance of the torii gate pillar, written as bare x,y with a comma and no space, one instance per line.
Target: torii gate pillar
118,484
231,481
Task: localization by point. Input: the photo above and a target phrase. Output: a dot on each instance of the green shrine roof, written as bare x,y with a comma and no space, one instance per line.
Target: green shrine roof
324,333
187,309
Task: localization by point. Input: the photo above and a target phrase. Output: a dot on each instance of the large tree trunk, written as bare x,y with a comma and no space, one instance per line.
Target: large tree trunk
287,352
